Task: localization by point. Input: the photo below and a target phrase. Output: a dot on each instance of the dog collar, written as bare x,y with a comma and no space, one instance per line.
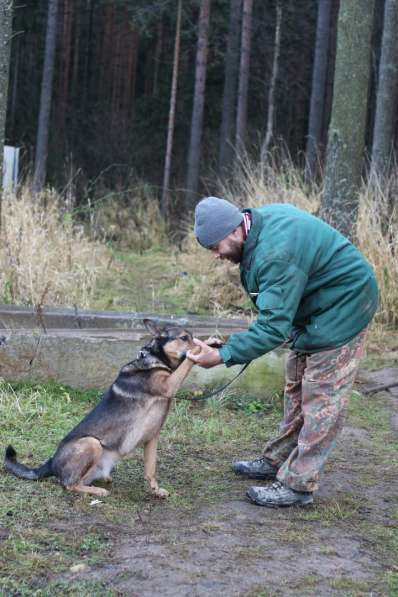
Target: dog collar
146,360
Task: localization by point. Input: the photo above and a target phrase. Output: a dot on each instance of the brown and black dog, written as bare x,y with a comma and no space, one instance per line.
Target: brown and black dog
130,413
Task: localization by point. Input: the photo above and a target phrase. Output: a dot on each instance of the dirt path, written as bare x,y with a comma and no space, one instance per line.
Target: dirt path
346,544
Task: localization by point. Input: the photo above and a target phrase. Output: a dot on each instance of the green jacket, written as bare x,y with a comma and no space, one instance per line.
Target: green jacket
310,285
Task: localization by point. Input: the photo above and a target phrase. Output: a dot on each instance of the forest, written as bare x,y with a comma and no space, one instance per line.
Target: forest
173,93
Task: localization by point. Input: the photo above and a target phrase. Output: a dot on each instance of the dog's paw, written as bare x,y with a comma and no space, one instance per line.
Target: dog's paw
101,492
161,493
214,342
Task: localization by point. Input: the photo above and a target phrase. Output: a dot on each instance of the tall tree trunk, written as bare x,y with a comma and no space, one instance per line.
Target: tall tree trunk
87,53
65,66
107,50
156,60
226,149
117,52
198,104
319,76
244,69
170,129
386,92
339,204
271,91
14,85
5,53
40,168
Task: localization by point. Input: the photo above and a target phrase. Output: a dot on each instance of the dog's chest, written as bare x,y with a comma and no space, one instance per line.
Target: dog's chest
146,426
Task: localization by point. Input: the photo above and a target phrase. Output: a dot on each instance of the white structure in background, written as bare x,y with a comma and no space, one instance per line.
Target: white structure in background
10,168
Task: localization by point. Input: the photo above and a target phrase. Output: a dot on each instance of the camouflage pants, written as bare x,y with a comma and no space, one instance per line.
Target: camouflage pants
317,389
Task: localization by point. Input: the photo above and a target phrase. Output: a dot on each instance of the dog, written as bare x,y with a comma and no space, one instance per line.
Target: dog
131,413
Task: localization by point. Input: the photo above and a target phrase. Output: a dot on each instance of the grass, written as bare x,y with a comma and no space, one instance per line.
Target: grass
118,254
45,258
43,523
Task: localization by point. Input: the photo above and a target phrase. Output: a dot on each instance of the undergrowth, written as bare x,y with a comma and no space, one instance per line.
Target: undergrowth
45,258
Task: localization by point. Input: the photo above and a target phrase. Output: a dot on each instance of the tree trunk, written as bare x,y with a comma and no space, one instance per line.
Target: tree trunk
346,141
5,53
156,60
319,76
65,67
170,129
244,68
40,168
14,84
198,104
226,148
386,92
90,72
271,91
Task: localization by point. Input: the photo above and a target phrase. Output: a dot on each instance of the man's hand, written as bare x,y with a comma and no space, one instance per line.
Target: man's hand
207,358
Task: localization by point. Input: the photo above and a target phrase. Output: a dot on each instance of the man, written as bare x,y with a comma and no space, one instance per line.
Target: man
314,291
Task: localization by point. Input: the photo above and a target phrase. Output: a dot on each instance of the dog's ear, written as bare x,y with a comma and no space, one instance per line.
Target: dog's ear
152,327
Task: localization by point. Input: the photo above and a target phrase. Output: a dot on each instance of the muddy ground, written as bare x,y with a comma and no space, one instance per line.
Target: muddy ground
345,544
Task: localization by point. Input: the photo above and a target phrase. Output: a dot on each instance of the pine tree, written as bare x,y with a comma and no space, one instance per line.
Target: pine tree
198,103
386,92
318,91
339,205
244,69
5,43
40,168
226,148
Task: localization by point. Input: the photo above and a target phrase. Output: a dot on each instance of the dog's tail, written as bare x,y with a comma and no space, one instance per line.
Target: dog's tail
25,472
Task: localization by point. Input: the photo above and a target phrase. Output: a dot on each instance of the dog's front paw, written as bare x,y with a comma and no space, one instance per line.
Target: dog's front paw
161,493
214,342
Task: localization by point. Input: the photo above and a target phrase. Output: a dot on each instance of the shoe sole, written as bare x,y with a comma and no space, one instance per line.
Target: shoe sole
274,505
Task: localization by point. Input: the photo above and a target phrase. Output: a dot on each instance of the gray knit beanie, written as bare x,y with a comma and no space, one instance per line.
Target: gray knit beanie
214,219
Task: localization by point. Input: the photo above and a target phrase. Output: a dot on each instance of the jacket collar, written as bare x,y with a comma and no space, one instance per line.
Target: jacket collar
251,241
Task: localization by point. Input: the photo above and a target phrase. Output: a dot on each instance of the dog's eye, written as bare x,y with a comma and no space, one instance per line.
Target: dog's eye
184,338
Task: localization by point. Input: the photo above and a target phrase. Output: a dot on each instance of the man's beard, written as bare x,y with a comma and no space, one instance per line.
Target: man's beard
235,251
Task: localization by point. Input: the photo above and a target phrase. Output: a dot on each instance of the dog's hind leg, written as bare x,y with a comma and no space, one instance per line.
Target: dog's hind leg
150,450
77,464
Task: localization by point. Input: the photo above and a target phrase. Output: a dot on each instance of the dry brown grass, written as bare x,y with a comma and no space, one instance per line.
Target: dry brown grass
256,184
218,285
131,219
44,258
377,238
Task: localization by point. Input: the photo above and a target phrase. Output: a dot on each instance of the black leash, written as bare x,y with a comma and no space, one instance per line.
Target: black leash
215,392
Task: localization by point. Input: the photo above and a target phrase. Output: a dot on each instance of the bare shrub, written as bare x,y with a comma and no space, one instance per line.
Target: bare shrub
276,181
44,258
377,236
131,219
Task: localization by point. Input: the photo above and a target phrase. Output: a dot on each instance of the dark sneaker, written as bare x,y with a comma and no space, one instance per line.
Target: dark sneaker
277,494
255,469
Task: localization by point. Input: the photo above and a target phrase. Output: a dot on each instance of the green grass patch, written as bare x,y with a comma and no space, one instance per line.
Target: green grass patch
144,282
43,523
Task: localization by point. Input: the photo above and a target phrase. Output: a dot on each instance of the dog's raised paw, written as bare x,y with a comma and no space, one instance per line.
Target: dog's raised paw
214,342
